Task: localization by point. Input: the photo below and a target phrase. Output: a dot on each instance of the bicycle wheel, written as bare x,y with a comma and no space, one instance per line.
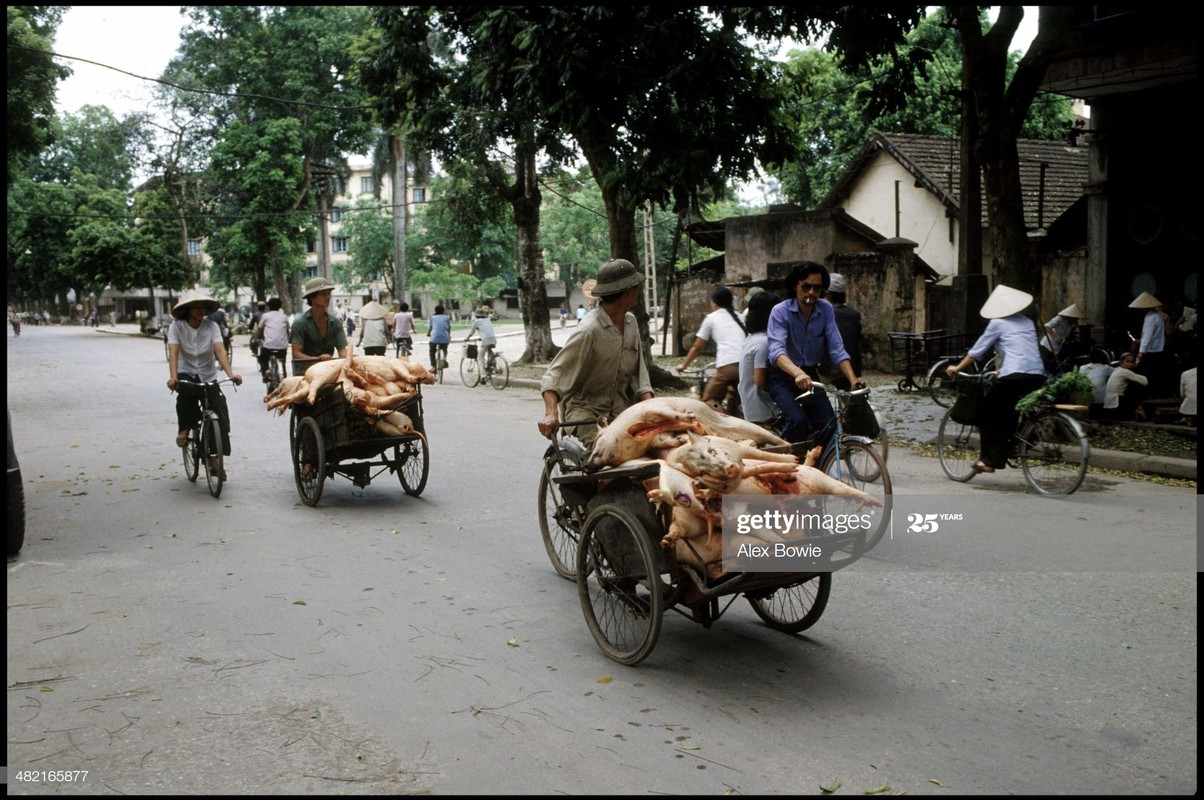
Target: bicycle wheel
861,467
796,608
470,371
500,374
557,526
940,386
191,454
211,453
882,440
413,457
309,461
275,373
1053,452
620,588
440,361
957,448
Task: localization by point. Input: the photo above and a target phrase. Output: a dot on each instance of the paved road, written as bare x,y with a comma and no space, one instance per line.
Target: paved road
173,643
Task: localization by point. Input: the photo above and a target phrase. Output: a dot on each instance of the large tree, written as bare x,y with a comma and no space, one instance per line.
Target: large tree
32,77
260,64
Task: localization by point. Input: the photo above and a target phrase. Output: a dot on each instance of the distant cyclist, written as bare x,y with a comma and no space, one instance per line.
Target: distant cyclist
272,333
482,325
403,329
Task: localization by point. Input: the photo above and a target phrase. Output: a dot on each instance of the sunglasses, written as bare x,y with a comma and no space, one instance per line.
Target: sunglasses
811,287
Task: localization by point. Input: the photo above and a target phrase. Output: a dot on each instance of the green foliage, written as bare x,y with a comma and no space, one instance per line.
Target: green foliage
32,77
835,110
1070,387
370,242
94,142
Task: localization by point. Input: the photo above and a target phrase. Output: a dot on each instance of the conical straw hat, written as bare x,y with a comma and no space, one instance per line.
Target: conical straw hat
1004,302
373,310
1073,311
1145,300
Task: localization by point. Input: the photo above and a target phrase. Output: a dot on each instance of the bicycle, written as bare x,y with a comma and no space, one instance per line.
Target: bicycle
731,400
1049,444
561,517
404,348
275,371
204,443
853,460
440,361
941,387
484,365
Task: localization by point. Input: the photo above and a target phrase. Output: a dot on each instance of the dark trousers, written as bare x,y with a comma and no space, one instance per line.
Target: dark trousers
999,416
1159,368
265,355
799,421
188,407
374,351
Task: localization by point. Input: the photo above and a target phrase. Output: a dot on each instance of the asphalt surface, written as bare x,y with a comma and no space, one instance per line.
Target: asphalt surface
911,417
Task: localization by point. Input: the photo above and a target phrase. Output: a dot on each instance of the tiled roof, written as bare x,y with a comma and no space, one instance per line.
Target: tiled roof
936,163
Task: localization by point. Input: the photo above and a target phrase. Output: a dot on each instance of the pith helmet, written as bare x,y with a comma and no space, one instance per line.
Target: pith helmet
616,276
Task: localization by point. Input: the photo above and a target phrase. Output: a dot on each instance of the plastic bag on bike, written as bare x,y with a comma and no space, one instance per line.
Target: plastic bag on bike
859,418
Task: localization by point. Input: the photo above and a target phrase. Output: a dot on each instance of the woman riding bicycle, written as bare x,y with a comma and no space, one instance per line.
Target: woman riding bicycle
194,352
727,329
482,325
1015,337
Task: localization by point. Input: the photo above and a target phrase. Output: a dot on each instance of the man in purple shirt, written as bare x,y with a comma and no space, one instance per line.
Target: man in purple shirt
802,330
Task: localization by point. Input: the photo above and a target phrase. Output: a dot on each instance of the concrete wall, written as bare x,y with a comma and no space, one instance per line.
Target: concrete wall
921,217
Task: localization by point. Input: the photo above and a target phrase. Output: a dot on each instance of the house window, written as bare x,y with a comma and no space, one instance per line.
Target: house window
336,215
366,185
338,244
310,272
194,247
420,195
311,247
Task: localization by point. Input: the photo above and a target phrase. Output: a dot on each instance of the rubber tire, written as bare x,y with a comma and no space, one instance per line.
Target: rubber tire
795,608
470,372
862,468
957,447
211,449
939,386
500,377
1042,435
414,465
190,453
275,373
625,621
309,450
16,513
560,541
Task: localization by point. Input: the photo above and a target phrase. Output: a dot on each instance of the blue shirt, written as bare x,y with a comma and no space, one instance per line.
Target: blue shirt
439,328
1015,338
805,341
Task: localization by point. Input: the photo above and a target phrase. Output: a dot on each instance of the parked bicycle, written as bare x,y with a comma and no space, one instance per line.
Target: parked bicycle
480,365
1049,443
204,443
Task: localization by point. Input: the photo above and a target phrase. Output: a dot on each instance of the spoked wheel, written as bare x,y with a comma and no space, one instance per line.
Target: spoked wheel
309,460
940,386
957,447
882,440
556,525
211,453
470,371
500,376
794,608
191,455
414,462
861,467
275,374
619,585
440,362
1053,452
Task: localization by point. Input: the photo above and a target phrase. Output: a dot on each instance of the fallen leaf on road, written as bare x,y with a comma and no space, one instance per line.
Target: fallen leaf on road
298,602
605,679
879,789
831,787
513,642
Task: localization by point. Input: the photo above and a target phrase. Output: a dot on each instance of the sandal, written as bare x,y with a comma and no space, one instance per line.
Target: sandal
182,439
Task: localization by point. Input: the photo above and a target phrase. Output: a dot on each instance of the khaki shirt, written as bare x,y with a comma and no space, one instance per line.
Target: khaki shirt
599,371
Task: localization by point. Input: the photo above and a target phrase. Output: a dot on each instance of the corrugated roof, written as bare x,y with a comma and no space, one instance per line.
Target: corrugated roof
936,163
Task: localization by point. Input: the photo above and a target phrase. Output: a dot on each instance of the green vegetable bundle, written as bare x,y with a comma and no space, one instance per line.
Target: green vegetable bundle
1071,387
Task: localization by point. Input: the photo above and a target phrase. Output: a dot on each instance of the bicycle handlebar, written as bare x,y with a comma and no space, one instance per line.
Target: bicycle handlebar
823,387
184,382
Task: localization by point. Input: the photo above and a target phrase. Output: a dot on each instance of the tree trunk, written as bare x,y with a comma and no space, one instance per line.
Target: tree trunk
533,291
397,158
